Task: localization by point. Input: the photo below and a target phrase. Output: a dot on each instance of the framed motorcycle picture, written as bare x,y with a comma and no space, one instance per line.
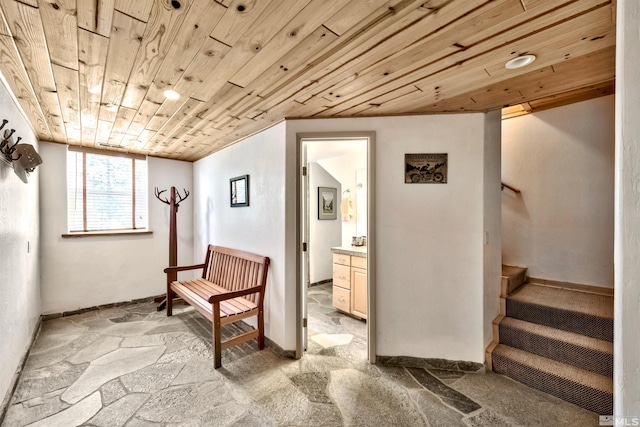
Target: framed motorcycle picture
425,168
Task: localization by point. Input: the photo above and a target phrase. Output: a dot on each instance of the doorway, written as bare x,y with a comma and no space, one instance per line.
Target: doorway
335,213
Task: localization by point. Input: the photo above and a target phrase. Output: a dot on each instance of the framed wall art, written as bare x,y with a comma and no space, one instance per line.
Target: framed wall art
327,203
425,168
239,191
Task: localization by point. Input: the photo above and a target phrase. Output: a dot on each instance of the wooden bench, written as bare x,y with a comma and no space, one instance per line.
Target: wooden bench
231,288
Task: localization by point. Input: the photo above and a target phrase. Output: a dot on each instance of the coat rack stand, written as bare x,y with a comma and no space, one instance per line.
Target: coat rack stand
174,204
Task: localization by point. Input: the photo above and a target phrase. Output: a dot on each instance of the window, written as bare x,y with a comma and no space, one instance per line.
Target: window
106,191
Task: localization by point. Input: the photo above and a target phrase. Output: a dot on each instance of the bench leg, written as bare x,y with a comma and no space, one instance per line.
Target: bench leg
260,330
217,340
169,300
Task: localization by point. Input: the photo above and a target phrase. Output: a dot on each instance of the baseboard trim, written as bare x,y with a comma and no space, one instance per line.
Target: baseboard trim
287,354
321,282
418,362
14,381
99,307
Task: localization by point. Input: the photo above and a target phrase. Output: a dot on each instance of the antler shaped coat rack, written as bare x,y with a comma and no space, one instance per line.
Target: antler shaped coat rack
174,202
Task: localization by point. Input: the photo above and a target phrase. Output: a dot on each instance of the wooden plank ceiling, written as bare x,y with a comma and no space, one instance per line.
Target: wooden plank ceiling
93,72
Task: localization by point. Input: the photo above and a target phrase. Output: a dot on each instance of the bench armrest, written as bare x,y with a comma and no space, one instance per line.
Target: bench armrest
235,294
183,268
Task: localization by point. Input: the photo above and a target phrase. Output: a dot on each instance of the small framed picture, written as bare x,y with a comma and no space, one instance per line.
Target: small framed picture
239,191
425,168
327,203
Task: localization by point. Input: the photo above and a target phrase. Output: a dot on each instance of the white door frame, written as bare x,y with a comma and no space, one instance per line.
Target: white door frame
371,236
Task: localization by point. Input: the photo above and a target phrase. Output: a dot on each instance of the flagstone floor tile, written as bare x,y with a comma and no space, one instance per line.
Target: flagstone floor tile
74,415
110,366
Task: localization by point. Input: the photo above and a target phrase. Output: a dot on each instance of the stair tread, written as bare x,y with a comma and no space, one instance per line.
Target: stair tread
560,335
511,270
512,278
565,299
590,289
558,369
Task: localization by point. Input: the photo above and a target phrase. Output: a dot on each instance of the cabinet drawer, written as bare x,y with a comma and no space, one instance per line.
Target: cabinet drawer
342,259
342,299
341,276
359,262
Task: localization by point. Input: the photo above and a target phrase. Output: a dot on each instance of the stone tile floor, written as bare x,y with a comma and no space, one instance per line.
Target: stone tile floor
132,366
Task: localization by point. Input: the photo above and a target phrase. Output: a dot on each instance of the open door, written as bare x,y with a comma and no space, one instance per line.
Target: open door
305,267
314,243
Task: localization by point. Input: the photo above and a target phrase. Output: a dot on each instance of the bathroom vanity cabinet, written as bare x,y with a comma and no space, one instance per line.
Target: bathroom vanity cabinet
350,280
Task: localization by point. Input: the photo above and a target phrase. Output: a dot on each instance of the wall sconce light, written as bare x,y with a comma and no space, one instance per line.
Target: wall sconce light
23,157
27,161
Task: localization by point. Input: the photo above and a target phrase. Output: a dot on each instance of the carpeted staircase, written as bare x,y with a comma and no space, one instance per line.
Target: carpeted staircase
557,338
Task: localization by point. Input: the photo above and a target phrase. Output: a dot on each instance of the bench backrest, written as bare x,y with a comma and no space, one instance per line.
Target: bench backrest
235,270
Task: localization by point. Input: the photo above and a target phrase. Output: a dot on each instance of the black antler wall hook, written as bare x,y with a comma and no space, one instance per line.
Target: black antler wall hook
5,139
6,147
11,150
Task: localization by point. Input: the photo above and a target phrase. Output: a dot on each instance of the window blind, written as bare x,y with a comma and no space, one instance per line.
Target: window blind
106,192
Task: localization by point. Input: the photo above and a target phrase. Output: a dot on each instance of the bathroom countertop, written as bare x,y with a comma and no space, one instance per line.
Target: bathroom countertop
360,251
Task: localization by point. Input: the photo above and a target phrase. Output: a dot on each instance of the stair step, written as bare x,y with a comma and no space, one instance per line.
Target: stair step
583,388
512,278
568,347
574,311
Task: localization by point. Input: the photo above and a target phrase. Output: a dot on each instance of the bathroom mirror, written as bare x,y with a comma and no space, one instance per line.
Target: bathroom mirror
361,202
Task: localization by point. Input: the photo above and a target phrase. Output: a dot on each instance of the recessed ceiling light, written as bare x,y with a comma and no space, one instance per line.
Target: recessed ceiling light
520,61
171,94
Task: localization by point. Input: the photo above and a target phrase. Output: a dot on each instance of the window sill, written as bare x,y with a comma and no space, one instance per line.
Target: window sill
105,233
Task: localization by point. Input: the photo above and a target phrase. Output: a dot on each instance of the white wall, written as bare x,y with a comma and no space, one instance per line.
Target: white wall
561,226
431,270
19,230
323,234
626,367
258,228
430,262
88,271
492,222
